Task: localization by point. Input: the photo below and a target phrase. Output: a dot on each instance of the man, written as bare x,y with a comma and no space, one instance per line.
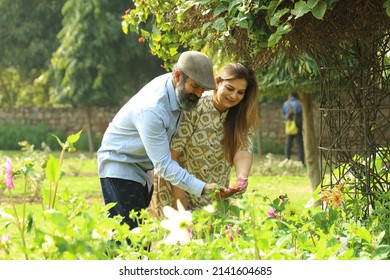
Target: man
293,106
136,142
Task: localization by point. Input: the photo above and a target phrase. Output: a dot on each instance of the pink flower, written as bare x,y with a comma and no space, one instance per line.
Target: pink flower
271,212
240,184
232,231
190,231
237,230
229,234
5,238
9,179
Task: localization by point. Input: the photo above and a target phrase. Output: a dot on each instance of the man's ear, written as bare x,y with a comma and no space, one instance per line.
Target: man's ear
176,76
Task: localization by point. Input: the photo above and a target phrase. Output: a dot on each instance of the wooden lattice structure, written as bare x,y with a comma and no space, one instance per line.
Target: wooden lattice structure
355,127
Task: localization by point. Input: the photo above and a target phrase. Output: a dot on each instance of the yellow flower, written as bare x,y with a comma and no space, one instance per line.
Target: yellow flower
336,197
332,197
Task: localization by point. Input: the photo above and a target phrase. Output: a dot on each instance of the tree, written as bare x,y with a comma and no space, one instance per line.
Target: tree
299,73
26,47
258,31
91,65
9,87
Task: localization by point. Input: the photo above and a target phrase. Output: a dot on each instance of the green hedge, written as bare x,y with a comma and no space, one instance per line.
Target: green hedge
269,146
12,134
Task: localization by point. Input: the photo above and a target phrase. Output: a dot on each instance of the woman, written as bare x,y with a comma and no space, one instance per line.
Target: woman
214,137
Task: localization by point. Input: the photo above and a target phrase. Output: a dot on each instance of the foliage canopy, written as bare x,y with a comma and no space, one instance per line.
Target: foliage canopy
254,31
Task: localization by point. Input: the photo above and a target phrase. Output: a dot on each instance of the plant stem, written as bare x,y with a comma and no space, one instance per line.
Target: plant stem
60,169
24,203
21,229
312,238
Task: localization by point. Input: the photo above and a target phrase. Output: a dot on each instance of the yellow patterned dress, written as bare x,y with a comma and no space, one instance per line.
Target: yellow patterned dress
198,139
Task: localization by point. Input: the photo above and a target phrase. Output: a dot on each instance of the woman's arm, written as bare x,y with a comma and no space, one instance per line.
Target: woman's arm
243,163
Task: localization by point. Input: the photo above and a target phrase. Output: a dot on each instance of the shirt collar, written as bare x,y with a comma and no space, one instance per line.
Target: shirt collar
172,95
209,96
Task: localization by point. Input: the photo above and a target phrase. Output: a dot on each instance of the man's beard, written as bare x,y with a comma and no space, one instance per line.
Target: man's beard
187,101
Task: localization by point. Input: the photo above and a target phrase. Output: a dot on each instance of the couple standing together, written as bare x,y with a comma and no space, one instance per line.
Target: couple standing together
174,141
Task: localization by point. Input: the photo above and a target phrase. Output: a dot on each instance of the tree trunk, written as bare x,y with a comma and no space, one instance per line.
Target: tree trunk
259,137
310,141
89,130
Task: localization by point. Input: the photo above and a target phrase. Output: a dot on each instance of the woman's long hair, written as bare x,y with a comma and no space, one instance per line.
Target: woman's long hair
245,115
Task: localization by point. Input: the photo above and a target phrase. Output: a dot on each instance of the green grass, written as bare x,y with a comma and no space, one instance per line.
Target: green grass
80,176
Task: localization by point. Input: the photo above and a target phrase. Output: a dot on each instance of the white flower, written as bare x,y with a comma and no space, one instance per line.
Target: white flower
310,203
5,215
178,223
6,238
344,244
95,234
136,230
209,208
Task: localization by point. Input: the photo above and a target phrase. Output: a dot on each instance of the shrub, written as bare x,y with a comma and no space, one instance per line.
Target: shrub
269,146
39,135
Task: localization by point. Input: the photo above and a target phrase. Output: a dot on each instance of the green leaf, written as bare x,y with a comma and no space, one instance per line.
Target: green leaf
59,141
53,171
283,240
348,255
219,24
300,9
381,252
156,37
312,3
386,5
145,33
73,138
173,51
319,10
125,27
30,221
275,37
275,19
273,5
204,27
244,24
235,210
364,234
222,7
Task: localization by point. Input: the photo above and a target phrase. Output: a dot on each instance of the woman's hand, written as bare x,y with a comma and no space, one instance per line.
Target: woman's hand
219,192
181,195
242,185
184,201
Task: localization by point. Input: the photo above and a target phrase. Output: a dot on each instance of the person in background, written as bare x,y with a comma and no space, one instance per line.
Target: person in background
293,105
214,137
136,141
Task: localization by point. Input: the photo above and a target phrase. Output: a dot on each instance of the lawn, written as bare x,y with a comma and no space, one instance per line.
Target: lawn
267,178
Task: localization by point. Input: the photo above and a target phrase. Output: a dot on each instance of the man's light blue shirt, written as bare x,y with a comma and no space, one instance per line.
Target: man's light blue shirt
137,140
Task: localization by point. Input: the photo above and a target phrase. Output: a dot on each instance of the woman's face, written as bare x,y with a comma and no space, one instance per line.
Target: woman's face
229,93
